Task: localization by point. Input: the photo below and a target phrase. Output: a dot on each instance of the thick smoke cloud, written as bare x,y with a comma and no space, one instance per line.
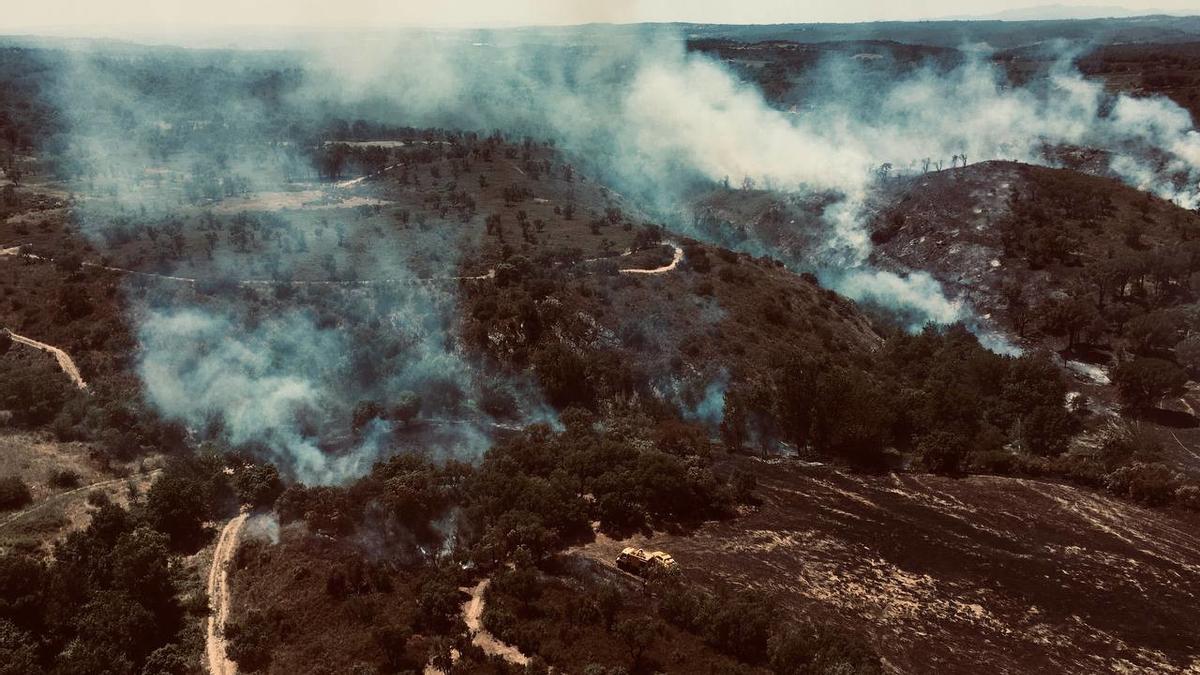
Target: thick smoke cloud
656,120
206,369
282,382
276,367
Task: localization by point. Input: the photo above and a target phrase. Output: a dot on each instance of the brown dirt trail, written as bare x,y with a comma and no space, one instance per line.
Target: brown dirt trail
64,360
218,594
480,636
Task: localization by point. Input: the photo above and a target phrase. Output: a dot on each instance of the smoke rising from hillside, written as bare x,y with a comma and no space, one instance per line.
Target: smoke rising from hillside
658,121
277,368
204,369
280,383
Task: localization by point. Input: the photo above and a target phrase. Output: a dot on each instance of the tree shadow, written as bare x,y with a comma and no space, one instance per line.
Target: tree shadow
1096,355
1174,419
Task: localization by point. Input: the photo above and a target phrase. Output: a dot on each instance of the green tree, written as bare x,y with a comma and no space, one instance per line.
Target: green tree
438,603
170,659
1144,380
1152,332
1046,430
559,370
114,630
22,596
1069,318
1187,354
852,416
941,451
141,569
257,484
638,634
249,642
176,505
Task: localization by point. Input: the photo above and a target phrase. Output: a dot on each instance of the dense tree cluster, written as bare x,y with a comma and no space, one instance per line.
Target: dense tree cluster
401,500
747,626
581,623
541,489
537,490
32,389
1125,272
936,395
108,601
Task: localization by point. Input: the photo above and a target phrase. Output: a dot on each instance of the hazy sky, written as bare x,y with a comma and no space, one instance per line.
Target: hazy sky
102,16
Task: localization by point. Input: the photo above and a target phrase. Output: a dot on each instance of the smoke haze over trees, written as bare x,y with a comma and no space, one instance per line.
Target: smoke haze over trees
655,120
433,309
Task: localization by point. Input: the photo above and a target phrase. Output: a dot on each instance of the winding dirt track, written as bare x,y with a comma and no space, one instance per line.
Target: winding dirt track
676,258
12,518
16,251
218,594
64,360
480,636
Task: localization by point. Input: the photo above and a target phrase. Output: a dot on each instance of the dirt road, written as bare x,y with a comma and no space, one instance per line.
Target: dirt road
17,251
218,595
355,181
480,636
676,258
64,360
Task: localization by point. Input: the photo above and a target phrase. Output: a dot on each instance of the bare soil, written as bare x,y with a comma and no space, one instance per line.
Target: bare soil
64,359
218,594
480,636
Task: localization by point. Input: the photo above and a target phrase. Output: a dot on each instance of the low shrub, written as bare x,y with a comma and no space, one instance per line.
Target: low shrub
14,494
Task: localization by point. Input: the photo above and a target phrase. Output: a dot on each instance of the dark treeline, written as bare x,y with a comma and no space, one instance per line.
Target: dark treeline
673,626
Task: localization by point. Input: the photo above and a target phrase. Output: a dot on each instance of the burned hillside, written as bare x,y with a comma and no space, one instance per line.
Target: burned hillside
373,353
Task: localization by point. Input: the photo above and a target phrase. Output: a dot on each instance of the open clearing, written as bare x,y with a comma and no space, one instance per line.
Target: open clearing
57,510
942,573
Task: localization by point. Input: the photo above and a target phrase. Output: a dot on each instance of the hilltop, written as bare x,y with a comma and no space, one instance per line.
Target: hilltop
1013,238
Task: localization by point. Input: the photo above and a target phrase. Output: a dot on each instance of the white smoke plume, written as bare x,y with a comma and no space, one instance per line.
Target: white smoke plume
651,119
204,369
656,119
281,383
